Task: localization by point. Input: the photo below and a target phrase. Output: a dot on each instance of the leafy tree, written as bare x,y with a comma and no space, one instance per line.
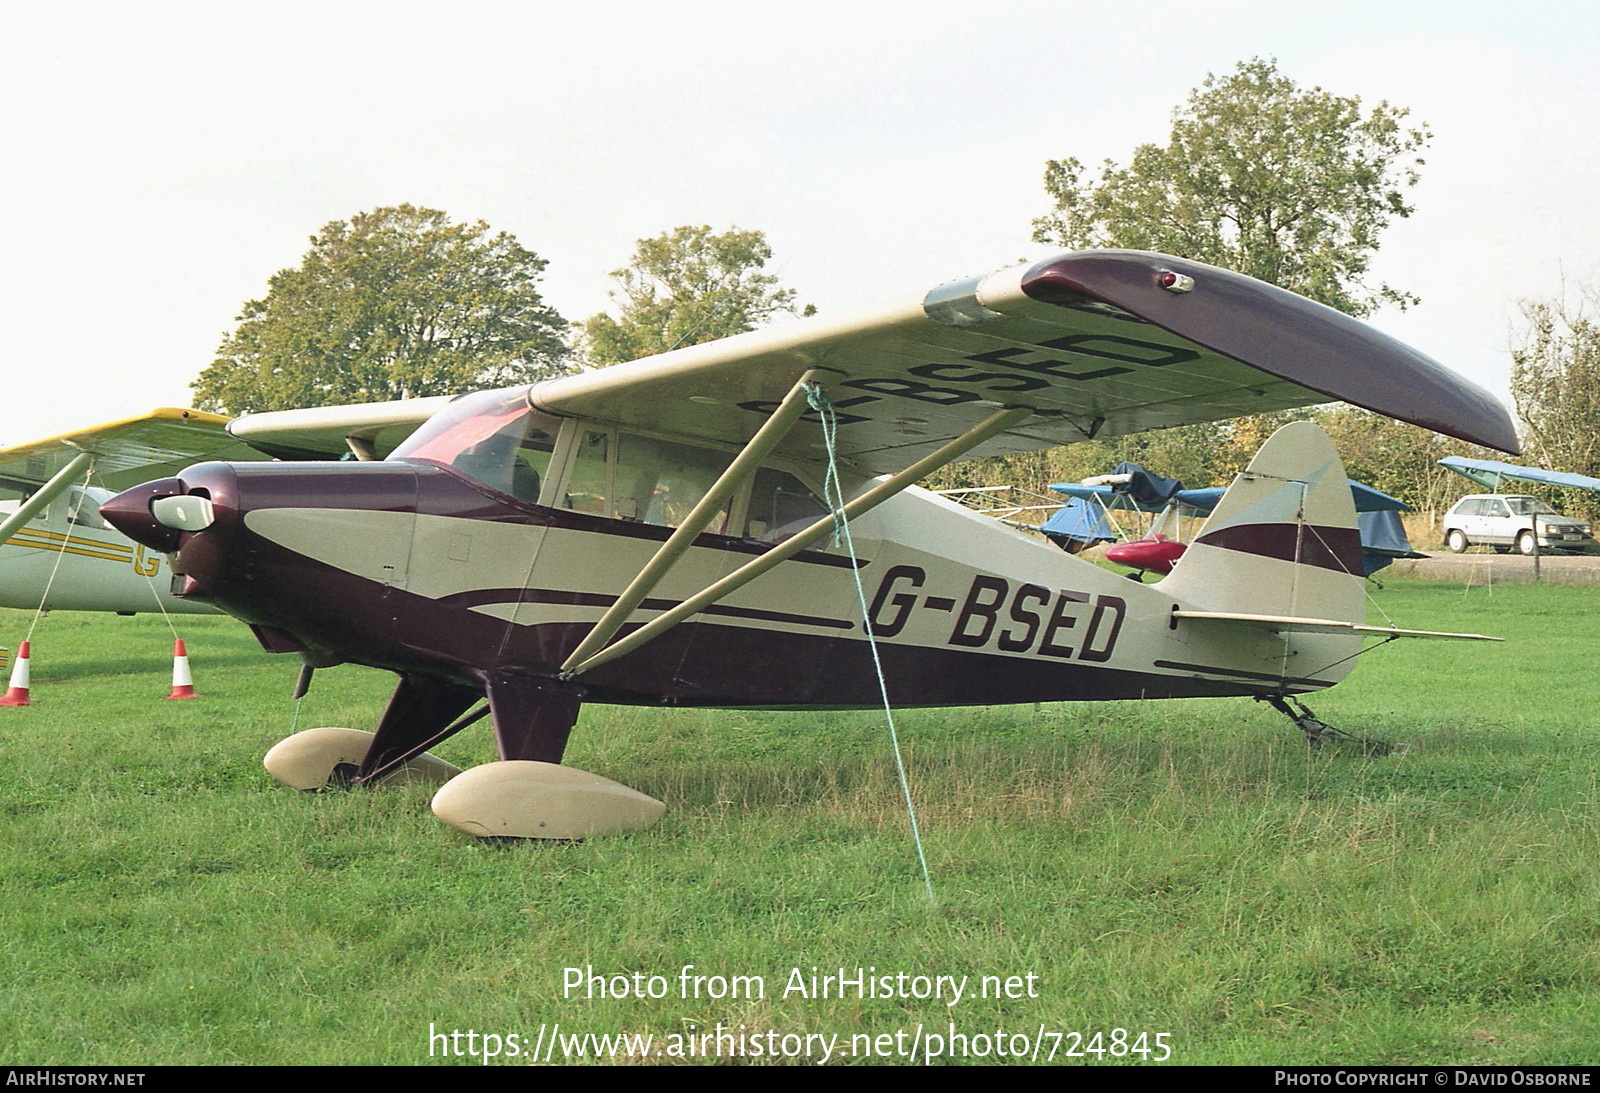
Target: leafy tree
1401,460
684,287
395,303
1290,185
1555,382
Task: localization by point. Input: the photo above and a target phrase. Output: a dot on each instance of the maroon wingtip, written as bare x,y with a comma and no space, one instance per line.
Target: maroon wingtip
1282,334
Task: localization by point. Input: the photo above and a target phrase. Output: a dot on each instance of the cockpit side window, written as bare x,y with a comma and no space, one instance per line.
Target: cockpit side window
660,482
781,506
589,484
653,480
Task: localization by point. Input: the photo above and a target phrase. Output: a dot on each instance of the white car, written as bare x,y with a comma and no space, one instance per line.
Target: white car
1505,520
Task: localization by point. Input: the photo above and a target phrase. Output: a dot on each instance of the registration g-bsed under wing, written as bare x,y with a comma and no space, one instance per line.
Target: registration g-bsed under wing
1095,343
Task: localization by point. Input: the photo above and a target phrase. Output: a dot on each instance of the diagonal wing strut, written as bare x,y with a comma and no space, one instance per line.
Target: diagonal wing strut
45,494
758,447
997,422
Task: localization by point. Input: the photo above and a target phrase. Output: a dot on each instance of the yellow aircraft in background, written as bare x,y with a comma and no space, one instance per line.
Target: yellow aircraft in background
55,549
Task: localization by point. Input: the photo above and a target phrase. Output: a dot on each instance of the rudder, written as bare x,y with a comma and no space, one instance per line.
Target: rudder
1283,540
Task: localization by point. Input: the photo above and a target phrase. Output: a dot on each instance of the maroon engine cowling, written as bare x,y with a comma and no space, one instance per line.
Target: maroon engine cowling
297,604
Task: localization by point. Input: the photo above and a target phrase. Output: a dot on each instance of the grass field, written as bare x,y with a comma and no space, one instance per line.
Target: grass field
1180,868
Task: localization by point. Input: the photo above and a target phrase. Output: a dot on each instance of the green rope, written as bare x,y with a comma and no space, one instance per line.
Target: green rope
833,491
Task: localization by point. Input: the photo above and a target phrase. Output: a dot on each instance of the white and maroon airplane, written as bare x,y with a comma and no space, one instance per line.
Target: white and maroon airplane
659,532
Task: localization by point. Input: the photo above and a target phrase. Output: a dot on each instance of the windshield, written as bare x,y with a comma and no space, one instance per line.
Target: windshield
493,437
1530,506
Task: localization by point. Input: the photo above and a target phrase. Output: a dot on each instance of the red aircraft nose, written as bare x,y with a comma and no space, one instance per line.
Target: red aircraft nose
1156,555
129,512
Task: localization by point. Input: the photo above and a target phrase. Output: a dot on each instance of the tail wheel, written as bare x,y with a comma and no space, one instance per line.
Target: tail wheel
1456,540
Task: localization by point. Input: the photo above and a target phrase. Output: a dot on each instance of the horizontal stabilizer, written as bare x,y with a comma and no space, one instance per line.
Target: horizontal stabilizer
1324,626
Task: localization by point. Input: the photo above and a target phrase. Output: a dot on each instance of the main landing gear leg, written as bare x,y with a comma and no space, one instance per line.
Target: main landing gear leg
1318,732
533,717
528,795
421,713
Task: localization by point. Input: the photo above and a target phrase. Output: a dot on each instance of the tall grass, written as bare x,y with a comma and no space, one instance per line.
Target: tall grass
1182,867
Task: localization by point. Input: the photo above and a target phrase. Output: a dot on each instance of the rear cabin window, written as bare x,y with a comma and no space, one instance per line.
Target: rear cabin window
781,506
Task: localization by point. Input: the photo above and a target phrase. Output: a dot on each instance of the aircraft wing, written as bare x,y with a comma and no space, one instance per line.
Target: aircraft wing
1103,494
126,453
1491,474
1096,343
329,432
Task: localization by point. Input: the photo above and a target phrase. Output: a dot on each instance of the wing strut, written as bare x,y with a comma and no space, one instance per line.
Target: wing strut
767,437
46,494
997,422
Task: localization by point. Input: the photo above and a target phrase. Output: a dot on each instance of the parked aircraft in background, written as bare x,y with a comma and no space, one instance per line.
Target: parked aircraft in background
660,532
1100,510
57,552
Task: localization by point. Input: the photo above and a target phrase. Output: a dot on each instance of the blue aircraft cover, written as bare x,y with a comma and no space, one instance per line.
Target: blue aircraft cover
1383,539
1490,473
1145,487
1366,498
1081,521
1203,501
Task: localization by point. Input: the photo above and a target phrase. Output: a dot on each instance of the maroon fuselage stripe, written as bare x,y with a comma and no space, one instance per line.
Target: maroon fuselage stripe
1338,549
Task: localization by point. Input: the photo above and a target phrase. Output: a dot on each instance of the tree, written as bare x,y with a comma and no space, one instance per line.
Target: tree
1290,185
395,303
1555,383
1396,458
684,287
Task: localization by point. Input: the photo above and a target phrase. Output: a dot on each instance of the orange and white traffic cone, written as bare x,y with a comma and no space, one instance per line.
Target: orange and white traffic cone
182,682
17,693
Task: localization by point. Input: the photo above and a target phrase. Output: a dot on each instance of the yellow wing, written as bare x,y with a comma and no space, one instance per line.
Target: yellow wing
126,453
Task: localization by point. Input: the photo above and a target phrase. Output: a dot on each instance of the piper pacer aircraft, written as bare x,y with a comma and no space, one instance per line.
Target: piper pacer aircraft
658,532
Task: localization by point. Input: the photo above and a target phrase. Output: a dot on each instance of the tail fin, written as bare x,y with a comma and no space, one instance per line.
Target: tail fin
1283,540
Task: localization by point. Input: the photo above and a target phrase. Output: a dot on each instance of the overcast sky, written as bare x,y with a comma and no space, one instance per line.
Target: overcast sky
166,159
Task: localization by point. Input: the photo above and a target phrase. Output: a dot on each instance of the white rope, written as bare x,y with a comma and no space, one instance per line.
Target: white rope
72,520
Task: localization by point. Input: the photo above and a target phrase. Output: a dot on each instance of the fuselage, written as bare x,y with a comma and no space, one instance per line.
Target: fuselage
417,567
